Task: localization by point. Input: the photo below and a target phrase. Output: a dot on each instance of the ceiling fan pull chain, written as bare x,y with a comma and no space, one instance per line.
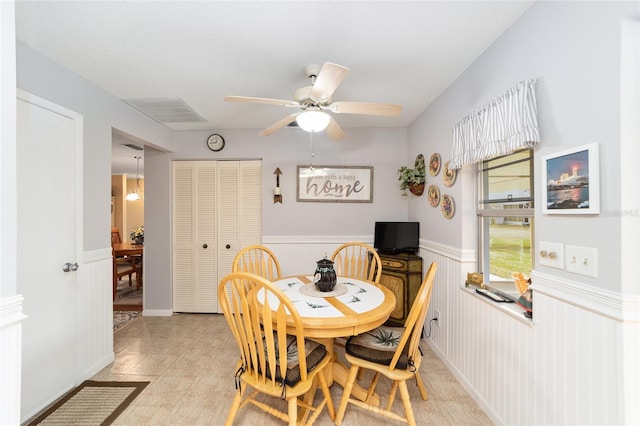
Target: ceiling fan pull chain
312,154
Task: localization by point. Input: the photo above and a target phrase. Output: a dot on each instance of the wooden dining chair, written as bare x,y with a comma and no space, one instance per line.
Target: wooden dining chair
258,260
124,266
357,260
115,236
393,352
272,362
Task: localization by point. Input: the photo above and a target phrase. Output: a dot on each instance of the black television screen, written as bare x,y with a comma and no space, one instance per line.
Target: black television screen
396,237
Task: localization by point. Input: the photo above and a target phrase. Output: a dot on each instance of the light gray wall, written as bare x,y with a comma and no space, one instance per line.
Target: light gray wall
384,149
8,198
573,49
102,111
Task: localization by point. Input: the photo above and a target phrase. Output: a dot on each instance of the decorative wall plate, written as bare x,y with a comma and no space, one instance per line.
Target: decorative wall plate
448,175
447,206
434,164
434,195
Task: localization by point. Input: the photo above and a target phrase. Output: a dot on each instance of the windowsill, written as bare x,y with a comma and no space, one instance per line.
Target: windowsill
511,309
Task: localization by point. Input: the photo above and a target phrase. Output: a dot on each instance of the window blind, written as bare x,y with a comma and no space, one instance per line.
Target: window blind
504,125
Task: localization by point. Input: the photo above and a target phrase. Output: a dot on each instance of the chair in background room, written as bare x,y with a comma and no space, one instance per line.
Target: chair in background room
357,260
258,260
115,236
124,266
272,362
393,352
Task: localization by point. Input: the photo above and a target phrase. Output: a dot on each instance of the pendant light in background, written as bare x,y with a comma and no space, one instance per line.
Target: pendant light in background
134,195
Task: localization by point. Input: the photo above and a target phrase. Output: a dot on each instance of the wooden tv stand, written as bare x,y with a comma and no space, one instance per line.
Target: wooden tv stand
402,274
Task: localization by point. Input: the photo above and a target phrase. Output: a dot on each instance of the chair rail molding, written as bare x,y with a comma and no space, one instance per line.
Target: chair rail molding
453,253
619,307
11,311
314,239
97,255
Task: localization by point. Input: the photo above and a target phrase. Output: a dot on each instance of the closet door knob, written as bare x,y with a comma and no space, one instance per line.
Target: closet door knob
228,246
204,246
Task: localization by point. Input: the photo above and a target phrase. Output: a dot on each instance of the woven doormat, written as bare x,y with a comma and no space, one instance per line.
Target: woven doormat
91,403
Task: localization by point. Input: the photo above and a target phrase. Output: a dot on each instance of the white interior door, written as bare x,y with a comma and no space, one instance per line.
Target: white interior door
49,141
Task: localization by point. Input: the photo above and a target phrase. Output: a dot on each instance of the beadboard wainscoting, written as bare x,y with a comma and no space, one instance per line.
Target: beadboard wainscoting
11,319
298,254
95,313
94,329
574,363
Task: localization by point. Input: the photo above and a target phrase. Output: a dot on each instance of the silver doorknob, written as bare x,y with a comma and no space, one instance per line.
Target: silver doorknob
70,267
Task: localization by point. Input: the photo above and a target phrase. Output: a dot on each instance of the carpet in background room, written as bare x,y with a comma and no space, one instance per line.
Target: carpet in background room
127,297
127,305
123,318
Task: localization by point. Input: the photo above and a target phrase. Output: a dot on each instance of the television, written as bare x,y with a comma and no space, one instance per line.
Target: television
396,237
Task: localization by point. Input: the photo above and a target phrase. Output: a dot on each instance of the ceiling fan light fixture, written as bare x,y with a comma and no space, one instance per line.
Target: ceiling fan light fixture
313,121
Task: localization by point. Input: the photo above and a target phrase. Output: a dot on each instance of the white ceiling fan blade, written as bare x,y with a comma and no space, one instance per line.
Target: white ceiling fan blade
328,80
368,108
279,124
334,130
268,101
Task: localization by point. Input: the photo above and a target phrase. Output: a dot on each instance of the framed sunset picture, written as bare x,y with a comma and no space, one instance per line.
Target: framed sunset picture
572,181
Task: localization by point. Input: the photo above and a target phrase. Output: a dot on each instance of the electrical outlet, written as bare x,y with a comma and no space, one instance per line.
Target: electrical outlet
582,260
438,317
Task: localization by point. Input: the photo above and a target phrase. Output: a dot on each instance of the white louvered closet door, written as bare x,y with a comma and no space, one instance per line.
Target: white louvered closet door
217,209
250,209
239,209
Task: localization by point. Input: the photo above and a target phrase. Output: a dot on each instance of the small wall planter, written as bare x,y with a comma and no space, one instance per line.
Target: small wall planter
413,179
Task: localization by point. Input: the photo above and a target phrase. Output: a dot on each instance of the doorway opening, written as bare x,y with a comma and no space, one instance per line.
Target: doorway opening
127,222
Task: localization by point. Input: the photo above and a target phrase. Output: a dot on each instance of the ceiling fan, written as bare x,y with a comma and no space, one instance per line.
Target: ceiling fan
314,101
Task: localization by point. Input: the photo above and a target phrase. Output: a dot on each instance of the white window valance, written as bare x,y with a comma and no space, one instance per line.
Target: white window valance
506,124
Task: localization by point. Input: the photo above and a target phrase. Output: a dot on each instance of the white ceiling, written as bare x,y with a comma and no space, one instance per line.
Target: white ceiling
200,51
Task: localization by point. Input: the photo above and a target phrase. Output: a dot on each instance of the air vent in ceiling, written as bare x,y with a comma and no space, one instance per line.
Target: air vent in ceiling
132,146
166,110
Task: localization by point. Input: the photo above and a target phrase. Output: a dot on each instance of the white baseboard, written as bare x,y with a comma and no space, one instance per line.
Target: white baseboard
157,312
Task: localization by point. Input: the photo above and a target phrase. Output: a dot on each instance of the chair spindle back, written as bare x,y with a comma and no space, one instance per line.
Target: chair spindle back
357,260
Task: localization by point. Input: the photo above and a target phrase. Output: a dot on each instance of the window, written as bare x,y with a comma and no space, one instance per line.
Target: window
506,216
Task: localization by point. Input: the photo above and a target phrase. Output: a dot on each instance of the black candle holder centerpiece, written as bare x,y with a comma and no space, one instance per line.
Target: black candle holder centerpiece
325,276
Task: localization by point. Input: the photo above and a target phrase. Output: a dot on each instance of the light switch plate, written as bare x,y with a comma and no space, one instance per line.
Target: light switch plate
550,254
582,260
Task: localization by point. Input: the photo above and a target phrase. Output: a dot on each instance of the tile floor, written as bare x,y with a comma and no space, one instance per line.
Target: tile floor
190,358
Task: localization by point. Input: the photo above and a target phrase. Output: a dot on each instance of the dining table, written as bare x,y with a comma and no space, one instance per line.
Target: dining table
354,306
